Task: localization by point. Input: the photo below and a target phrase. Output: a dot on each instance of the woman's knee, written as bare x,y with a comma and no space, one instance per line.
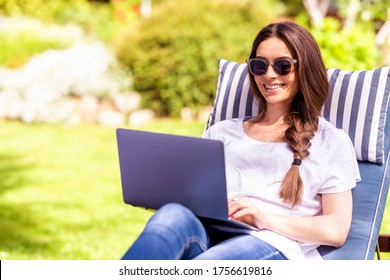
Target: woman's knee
172,212
173,216
175,208
177,225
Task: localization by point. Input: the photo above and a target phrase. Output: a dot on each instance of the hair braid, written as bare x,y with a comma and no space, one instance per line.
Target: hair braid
298,137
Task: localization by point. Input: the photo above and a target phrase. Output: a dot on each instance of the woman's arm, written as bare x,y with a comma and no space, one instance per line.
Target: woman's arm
331,228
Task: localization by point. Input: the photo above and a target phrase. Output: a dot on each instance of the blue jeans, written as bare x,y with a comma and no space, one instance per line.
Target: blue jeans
174,232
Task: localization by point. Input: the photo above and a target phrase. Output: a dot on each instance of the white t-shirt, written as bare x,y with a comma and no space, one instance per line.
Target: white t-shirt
256,169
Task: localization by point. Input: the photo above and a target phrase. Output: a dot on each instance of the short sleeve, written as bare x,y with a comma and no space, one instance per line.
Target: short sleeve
342,170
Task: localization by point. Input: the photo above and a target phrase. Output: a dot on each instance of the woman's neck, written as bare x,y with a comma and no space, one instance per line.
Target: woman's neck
274,115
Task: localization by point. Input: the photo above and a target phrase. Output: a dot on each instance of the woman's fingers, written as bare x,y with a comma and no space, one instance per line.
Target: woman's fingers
237,205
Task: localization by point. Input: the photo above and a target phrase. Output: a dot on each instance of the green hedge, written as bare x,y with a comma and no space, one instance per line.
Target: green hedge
174,54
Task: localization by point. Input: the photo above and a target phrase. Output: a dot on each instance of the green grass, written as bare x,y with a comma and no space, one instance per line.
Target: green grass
60,193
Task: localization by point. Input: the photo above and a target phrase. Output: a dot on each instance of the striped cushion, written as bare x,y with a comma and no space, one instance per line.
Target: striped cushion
357,103
233,98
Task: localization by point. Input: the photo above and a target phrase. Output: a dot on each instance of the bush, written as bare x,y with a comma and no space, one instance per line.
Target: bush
349,49
17,50
41,9
95,18
173,55
21,38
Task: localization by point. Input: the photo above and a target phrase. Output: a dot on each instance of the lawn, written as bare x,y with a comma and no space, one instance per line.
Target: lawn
60,193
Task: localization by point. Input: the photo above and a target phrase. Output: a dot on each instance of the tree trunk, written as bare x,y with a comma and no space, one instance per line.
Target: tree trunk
146,8
317,10
353,9
382,39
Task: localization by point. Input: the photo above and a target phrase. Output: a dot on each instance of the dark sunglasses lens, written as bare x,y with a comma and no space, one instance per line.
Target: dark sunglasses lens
258,67
282,67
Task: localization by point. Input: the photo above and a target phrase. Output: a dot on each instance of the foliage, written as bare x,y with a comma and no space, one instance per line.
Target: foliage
45,61
42,9
44,89
348,49
21,38
294,7
174,58
367,11
98,19
14,54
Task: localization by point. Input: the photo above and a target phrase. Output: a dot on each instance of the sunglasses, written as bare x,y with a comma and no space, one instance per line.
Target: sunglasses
281,66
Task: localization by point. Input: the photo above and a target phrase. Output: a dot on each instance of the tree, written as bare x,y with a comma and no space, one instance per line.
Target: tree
373,13
350,11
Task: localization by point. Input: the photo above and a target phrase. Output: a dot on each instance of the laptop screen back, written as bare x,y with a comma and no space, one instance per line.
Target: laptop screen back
157,169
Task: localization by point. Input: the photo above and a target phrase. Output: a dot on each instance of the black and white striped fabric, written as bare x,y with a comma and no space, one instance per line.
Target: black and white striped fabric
357,103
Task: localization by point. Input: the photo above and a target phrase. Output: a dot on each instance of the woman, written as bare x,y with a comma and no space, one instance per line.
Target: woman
289,171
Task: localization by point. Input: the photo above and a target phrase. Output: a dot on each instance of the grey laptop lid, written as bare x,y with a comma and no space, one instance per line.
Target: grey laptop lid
160,168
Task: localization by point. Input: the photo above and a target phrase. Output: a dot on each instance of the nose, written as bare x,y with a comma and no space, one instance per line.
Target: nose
270,73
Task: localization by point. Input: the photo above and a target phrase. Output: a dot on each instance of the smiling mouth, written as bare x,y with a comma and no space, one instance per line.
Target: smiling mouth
273,87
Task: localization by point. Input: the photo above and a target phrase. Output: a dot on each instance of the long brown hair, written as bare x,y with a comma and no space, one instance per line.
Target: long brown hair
302,120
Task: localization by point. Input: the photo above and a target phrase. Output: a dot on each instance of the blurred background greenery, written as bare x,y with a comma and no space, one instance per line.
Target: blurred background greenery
60,194
172,54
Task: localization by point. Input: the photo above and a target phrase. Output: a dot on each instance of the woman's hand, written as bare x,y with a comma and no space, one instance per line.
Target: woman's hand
242,209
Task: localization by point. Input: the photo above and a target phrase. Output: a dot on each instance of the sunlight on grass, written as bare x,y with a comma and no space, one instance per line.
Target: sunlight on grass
60,193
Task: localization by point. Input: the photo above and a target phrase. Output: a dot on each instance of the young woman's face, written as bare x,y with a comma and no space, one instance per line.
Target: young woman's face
276,89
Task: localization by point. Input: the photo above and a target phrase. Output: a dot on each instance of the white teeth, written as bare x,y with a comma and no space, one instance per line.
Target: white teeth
272,86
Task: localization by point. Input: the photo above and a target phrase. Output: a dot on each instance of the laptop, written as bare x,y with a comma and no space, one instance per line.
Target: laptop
158,168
